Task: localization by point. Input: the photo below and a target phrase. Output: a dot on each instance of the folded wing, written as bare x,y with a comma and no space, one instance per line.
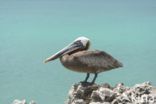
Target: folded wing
97,60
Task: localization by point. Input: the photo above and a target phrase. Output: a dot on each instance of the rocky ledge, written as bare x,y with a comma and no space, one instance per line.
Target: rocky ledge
86,93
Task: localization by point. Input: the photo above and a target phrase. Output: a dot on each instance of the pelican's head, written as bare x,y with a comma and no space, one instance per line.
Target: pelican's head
85,42
79,44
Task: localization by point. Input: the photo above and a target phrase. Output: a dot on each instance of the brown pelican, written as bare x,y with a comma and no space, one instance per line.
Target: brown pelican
77,57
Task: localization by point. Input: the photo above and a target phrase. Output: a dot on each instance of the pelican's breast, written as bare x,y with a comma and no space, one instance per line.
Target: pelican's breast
70,62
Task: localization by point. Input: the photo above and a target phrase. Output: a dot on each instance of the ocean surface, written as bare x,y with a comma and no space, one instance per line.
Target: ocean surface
32,30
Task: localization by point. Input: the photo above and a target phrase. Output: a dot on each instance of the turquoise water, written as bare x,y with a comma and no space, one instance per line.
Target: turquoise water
32,30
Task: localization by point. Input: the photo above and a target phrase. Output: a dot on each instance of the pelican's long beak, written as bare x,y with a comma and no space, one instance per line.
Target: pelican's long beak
70,48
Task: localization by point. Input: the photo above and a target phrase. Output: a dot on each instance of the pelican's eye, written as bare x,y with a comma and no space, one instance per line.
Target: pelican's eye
79,44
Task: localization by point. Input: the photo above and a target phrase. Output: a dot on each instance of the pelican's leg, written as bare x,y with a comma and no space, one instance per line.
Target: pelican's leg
87,77
95,76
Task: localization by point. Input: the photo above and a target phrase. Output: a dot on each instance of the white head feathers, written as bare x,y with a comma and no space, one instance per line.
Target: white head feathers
83,40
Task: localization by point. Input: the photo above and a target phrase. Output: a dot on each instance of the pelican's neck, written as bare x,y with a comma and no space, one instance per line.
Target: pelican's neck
64,58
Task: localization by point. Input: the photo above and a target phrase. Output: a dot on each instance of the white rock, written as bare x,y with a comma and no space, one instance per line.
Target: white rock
16,101
79,101
120,94
96,103
32,102
102,95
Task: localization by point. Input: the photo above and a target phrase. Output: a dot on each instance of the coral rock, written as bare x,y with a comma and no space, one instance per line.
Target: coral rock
87,93
16,101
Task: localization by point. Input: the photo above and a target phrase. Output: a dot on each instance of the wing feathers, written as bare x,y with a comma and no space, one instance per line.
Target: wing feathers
97,59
